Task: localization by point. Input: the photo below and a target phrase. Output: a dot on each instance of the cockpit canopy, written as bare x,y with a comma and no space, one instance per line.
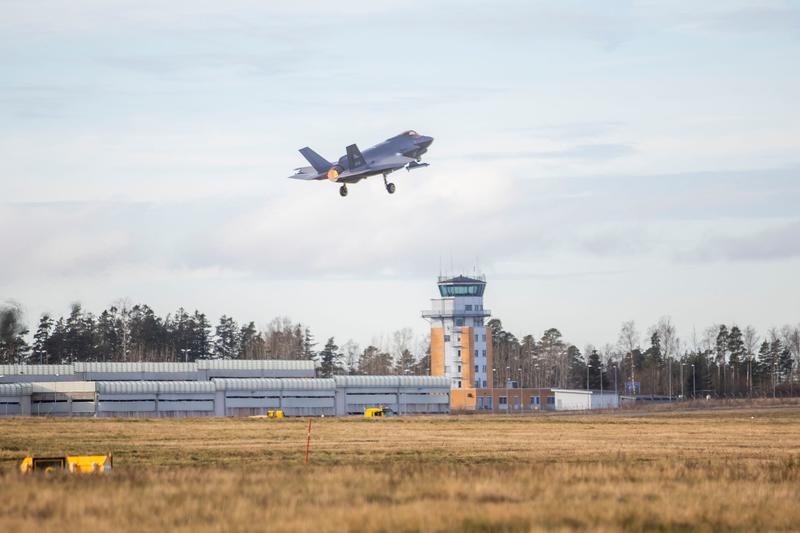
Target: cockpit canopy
410,133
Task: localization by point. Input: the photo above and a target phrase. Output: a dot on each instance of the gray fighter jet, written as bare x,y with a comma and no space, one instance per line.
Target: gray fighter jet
404,150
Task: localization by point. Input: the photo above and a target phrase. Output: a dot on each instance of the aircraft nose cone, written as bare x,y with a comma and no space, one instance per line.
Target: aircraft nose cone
424,142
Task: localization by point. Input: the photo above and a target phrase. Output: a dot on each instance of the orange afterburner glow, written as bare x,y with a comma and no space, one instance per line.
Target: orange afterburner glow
333,174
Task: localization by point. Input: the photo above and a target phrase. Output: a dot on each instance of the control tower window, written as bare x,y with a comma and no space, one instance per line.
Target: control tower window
471,289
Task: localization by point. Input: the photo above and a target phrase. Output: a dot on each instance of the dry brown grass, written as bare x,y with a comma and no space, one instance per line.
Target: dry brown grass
710,471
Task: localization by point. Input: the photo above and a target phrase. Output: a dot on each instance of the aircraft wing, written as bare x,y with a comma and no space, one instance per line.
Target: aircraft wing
306,173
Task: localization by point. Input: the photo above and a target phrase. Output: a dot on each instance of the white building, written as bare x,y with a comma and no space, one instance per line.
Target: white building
583,400
460,341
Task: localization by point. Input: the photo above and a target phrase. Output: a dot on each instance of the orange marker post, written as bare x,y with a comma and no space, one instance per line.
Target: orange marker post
308,439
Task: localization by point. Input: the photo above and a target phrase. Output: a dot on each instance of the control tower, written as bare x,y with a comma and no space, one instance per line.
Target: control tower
461,344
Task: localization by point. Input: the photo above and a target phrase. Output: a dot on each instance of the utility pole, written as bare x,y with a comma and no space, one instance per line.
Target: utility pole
669,369
694,384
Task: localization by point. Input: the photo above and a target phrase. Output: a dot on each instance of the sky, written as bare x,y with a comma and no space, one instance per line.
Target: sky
597,161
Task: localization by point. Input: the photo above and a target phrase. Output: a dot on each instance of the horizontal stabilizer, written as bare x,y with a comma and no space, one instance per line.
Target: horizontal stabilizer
319,163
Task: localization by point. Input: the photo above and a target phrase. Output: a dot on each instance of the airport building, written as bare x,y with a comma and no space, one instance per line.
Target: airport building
461,353
461,344
209,388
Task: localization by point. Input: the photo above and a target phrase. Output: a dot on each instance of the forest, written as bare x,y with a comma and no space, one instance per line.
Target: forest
722,361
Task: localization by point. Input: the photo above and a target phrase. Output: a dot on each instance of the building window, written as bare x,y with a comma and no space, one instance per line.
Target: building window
535,401
476,353
484,338
459,384
476,369
459,353
484,368
488,402
484,381
551,400
476,338
459,369
484,353
468,307
447,338
459,321
502,401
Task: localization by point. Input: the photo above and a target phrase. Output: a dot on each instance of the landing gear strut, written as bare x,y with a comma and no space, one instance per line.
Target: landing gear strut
389,186
343,190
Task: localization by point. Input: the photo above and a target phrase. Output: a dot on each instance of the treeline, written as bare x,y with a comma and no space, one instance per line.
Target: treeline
724,361
135,333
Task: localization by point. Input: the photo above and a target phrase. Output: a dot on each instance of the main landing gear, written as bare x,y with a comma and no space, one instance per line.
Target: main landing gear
343,190
389,186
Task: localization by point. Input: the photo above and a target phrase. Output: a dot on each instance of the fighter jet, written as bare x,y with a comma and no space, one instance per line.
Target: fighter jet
401,151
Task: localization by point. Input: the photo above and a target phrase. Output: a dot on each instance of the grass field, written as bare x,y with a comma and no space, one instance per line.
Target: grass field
703,470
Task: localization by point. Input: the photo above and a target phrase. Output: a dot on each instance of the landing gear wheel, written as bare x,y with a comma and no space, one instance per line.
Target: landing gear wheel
343,190
390,188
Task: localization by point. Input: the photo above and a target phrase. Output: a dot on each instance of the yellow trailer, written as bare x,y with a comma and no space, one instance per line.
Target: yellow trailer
378,412
270,414
73,464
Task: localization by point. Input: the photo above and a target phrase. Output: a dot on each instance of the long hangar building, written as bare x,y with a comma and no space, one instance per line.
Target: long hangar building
209,388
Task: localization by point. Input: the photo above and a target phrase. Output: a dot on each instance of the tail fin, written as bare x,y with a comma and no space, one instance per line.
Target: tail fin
354,157
319,163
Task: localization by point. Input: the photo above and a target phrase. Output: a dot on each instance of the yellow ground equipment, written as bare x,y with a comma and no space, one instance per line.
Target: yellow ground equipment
73,464
271,414
378,412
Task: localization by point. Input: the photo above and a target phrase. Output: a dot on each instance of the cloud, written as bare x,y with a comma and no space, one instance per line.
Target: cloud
580,152
771,244
769,19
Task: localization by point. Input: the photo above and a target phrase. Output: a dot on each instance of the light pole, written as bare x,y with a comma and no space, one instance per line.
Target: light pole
669,370
694,384
616,390
682,396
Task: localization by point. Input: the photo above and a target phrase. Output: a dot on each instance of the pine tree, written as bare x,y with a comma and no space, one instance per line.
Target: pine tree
39,352
405,363
597,376
249,341
108,335
200,342
785,364
577,369
308,344
373,362
330,359
227,340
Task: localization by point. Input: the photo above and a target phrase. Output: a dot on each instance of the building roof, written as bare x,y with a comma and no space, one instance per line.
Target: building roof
15,389
275,384
393,381
154,387
462,279
255,364
35,370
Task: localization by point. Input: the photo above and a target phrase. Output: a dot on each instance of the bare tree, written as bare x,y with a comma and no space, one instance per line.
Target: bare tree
351,351
628,341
